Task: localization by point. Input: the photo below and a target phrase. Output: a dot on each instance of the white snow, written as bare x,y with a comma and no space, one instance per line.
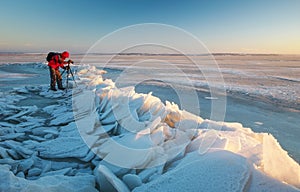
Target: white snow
134,142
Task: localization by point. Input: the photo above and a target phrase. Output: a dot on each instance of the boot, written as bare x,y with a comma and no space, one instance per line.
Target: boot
59,84
52,87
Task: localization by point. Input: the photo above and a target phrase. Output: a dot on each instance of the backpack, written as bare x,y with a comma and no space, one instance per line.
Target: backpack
50,55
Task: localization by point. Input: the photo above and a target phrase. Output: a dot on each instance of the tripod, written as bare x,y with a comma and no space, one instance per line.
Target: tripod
69,71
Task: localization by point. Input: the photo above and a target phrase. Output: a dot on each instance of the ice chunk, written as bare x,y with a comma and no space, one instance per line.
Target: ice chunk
262,182
157,136
69,130
131,151
290,172
117,170
197,143
3,153
62,119
104,175
216,171
87,124
63,147
64,171
25,110
132,181
176,146
34,172
11,136
84,103
83,183
26,164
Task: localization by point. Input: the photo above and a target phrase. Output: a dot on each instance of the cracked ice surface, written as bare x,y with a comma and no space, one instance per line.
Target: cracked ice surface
101,137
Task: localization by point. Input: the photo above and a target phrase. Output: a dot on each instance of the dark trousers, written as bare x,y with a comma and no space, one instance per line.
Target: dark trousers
55,76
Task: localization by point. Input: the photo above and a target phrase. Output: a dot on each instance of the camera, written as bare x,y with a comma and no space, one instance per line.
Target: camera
70,61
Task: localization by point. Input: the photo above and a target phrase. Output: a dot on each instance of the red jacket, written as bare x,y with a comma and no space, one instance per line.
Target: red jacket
55,62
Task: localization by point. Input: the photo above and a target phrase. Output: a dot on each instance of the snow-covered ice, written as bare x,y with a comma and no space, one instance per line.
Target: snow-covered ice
98,136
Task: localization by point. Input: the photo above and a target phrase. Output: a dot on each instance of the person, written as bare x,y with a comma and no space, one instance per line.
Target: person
58,61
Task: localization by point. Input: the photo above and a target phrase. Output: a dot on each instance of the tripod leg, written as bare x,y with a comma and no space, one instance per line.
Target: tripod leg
63,72
67,86
73,77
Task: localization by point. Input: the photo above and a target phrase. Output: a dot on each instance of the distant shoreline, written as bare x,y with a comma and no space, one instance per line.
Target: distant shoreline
159,54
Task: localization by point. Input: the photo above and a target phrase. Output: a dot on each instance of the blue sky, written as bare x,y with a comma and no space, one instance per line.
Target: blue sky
256,26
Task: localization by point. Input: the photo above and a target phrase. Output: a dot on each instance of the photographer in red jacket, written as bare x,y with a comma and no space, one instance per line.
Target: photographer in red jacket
56,61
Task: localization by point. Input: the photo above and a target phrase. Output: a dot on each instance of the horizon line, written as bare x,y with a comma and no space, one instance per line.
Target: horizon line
162,54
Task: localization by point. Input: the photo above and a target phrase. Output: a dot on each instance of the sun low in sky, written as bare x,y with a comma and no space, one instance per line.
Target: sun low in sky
256,26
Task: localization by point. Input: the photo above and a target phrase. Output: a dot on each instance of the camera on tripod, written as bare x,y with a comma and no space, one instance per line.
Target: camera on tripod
70,61
68,66
69,72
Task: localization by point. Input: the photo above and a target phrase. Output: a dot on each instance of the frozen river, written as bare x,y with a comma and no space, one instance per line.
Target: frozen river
262,91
